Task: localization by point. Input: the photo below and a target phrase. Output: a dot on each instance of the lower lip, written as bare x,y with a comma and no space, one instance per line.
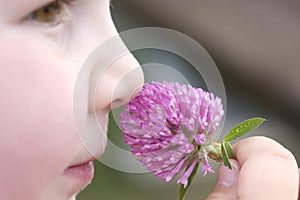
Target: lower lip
81,175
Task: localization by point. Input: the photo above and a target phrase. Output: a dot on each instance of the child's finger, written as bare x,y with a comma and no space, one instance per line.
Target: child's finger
226,186
268,170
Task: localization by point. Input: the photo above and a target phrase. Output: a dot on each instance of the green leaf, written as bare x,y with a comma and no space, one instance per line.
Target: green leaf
225,156
244,128
229,149
182,190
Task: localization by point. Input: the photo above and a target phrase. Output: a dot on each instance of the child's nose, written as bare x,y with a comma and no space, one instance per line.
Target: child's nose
118,83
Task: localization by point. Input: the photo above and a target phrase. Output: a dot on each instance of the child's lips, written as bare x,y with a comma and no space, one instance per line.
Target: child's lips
80,176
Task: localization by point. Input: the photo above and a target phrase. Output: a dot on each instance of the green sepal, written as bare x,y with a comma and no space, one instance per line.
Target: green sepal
183,190
229,149
244,128
225,157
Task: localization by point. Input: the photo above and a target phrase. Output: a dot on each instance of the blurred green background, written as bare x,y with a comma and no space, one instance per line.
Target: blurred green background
256,47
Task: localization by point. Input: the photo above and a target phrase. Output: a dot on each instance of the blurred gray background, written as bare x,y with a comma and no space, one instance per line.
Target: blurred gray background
256,46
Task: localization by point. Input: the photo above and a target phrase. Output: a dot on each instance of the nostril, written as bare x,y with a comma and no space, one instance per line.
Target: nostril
116,103
118,85
124,93
126,98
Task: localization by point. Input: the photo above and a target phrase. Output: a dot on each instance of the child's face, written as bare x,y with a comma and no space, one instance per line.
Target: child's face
43,45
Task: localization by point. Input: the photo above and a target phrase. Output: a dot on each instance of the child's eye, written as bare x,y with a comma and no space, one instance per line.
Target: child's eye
47,13
51,14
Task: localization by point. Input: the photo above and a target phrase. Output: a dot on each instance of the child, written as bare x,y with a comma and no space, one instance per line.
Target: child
43,46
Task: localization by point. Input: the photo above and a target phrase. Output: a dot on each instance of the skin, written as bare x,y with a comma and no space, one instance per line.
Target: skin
262,169
39,66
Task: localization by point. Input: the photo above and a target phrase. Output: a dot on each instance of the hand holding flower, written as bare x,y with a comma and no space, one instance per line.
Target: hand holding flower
263,170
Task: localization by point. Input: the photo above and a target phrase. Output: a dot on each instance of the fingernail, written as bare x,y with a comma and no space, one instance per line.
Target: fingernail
226,176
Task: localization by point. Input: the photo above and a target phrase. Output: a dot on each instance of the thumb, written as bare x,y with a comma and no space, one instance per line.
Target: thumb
226,186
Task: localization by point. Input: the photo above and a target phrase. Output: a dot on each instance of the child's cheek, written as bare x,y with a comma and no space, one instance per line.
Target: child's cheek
38,136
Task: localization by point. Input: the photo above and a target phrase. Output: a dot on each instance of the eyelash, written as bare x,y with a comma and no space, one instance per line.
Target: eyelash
52,14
